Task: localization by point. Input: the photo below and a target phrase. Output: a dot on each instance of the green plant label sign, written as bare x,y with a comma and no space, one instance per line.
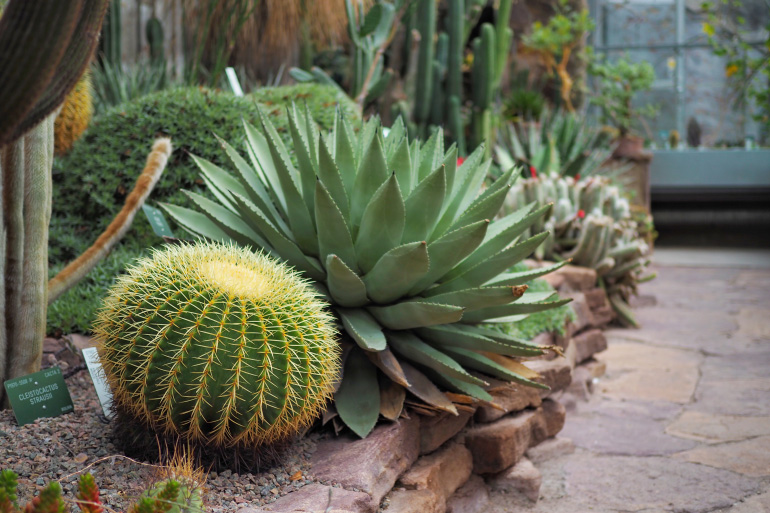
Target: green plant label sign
157,221
40,394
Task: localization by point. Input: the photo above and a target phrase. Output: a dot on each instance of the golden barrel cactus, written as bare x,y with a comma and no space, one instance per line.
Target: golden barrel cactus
218,345
75,115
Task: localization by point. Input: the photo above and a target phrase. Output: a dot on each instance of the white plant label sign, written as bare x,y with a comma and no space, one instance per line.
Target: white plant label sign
100,380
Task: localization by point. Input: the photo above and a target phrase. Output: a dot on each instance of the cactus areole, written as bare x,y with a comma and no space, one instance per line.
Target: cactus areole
217,344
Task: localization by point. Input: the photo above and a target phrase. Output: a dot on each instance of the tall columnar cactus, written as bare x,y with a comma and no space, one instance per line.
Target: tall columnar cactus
590,224
400,240
75,115
217,345
59,38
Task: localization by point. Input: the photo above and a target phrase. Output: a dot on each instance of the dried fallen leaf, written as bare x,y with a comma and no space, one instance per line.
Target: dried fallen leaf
296,476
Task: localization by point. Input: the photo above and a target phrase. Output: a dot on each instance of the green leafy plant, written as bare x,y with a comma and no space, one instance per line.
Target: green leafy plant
524,105
399,240
561,143
556,43
619,83
747,63
592,225
217,345
113,85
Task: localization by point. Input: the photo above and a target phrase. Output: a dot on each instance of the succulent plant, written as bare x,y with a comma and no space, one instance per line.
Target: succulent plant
398,238
218,345
170,496
592,225
75,115
557,143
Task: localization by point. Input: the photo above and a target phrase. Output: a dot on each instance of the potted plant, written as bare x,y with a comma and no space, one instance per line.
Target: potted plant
619,82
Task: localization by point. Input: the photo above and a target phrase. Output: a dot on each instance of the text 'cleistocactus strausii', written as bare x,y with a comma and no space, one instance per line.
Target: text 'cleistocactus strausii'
217,344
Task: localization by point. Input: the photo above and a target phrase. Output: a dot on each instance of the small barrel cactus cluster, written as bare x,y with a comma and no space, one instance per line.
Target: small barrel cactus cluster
167,496
592,225
217,344
399,239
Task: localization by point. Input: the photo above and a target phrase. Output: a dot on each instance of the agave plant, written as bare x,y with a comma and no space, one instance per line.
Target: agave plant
400,241
559,143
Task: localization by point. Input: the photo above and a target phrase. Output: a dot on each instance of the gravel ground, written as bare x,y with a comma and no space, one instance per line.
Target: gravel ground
61,448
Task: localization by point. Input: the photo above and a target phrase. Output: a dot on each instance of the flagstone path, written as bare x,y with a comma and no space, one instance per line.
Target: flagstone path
680,422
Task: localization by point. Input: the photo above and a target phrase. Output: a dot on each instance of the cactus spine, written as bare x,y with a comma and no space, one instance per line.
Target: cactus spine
217,345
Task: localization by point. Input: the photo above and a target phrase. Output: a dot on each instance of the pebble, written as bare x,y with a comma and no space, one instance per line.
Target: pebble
59,448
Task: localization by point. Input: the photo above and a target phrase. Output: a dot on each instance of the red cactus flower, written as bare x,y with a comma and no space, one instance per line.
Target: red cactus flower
581,213
532,172
577,177
460,161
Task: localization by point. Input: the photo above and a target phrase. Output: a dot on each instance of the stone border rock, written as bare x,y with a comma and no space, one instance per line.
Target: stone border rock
447,463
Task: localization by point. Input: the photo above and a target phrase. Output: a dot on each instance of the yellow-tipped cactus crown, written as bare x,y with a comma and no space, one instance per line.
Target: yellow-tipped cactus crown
218,344
75,115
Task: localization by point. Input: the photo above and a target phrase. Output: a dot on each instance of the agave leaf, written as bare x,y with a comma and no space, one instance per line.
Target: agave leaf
221,182
513,366
502,338
305,159
386,361
480,297
462,387
297,209
196,223
364,329
282,246
372,173
312,133
431,155
223,197
481,363
358,398
262,159
494,312
381,225
392,397
254,187
232,224
450,164
467,183
397,270
415,314
401,164
495,245
525,276
424,205
333,234
344,153
396,136
499,225
447,251
490,267
423,388
366,136
330,176
455,336
409,346
487,204
345,286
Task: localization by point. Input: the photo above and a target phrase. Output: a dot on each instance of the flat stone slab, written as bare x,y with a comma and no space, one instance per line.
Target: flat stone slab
714,428
643,372
373,464
625,483
315,498
627,428
735,385
413,501
441,472
753,323
749,457
472,497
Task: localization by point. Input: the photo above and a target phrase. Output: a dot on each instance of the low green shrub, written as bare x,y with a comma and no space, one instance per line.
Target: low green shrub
321,100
